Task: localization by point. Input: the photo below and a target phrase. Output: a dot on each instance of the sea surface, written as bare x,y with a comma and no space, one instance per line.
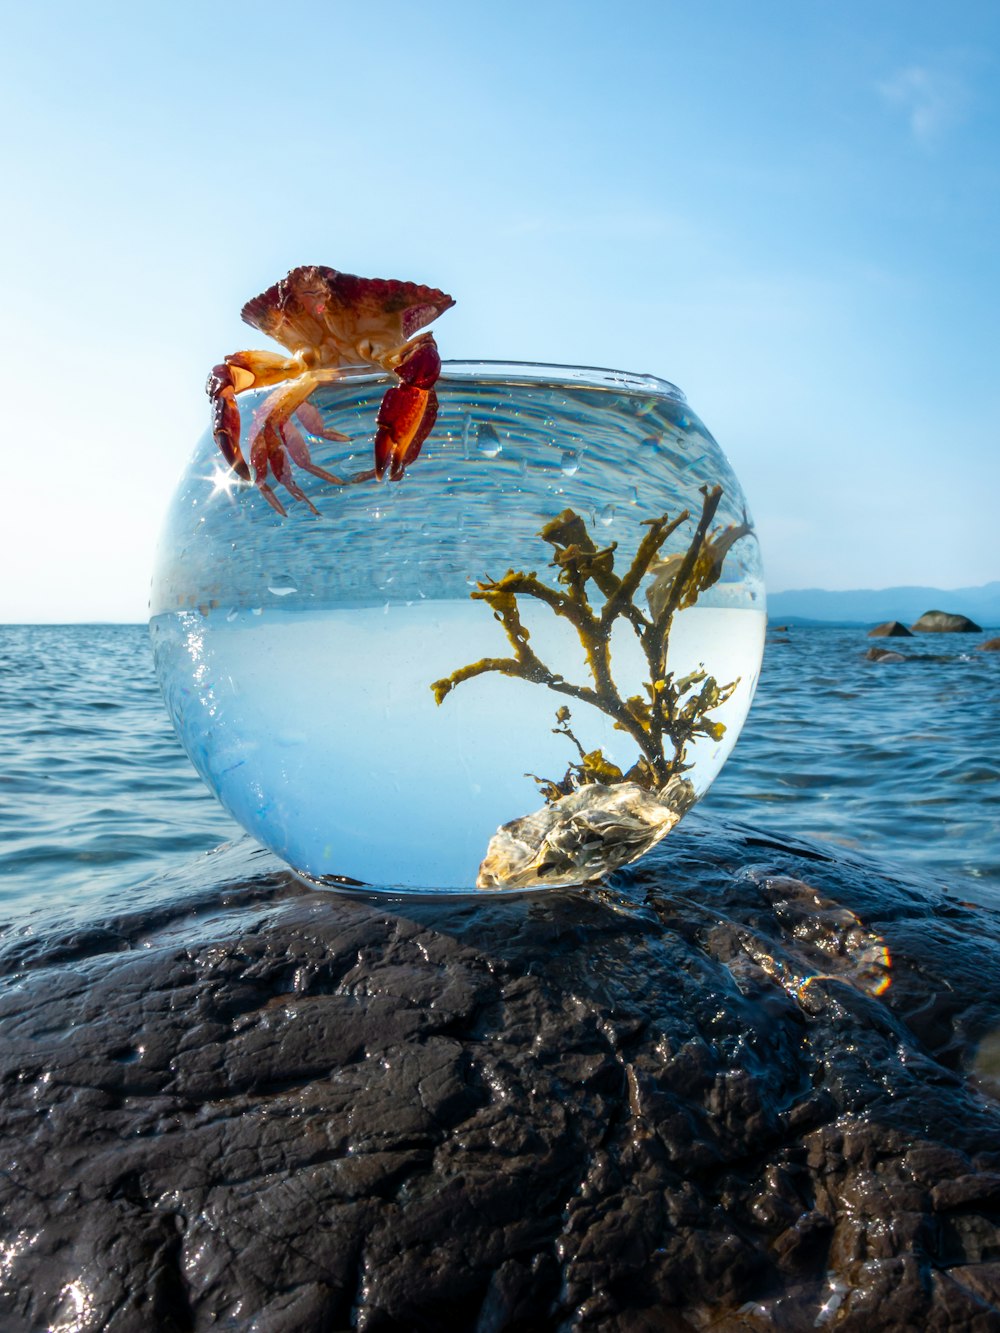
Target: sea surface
900,761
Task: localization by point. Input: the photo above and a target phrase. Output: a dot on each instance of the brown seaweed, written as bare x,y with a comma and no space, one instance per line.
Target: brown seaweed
673,712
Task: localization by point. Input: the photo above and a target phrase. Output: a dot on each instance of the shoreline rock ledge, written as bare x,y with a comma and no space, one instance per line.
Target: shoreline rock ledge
749,1084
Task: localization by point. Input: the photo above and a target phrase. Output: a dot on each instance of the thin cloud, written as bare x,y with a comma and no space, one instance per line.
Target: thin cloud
932,101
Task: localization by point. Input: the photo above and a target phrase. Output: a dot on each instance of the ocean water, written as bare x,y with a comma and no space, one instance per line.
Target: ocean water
900,761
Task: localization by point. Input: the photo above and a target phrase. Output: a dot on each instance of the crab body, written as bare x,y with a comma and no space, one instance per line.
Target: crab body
327,320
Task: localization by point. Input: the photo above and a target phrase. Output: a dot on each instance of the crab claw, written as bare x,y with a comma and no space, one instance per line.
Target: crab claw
405,419
241,371
408,411
222,388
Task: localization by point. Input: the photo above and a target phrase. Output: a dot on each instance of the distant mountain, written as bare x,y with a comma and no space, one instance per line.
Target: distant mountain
870,606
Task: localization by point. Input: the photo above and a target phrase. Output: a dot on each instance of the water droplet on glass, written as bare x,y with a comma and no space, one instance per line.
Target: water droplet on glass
281,589
257,611
488,440
608,515
466,436
232,614
634,496
570,462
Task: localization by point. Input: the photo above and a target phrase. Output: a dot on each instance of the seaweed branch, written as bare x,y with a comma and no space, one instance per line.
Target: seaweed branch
673,712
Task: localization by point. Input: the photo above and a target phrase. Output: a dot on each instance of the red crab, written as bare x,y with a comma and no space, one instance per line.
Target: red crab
329,320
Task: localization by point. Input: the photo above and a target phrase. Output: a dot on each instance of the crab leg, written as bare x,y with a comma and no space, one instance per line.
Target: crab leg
269,452
310,416
274,436
299,449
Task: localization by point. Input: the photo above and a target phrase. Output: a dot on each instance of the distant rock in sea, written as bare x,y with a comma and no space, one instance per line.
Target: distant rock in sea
884,655
944,622
990,646
750,1083
891,629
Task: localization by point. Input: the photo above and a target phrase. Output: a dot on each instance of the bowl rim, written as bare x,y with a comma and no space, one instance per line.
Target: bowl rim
530,372
533,372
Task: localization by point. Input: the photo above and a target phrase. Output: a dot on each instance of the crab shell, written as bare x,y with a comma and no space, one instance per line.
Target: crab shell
332,319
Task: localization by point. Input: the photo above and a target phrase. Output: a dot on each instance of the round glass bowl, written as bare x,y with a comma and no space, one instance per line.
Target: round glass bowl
515,667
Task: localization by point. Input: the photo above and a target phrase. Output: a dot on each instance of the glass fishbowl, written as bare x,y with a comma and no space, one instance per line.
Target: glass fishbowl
516,667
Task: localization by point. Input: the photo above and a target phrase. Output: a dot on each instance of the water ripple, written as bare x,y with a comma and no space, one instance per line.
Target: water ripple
96,793
898,759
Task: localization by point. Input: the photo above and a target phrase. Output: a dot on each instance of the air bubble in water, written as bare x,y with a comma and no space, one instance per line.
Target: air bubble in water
607,516
570,462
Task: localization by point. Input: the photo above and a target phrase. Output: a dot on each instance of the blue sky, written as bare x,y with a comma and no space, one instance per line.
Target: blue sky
789,209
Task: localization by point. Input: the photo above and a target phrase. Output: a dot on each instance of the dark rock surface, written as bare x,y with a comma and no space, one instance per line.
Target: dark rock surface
748,1085
943,622
891,629
884,655
988,646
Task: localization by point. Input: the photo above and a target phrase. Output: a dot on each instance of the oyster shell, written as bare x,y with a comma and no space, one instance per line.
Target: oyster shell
582,836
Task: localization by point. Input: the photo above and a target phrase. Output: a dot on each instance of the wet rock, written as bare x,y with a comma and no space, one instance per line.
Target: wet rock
989,646
738,1087
891,629
943,622
884,655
